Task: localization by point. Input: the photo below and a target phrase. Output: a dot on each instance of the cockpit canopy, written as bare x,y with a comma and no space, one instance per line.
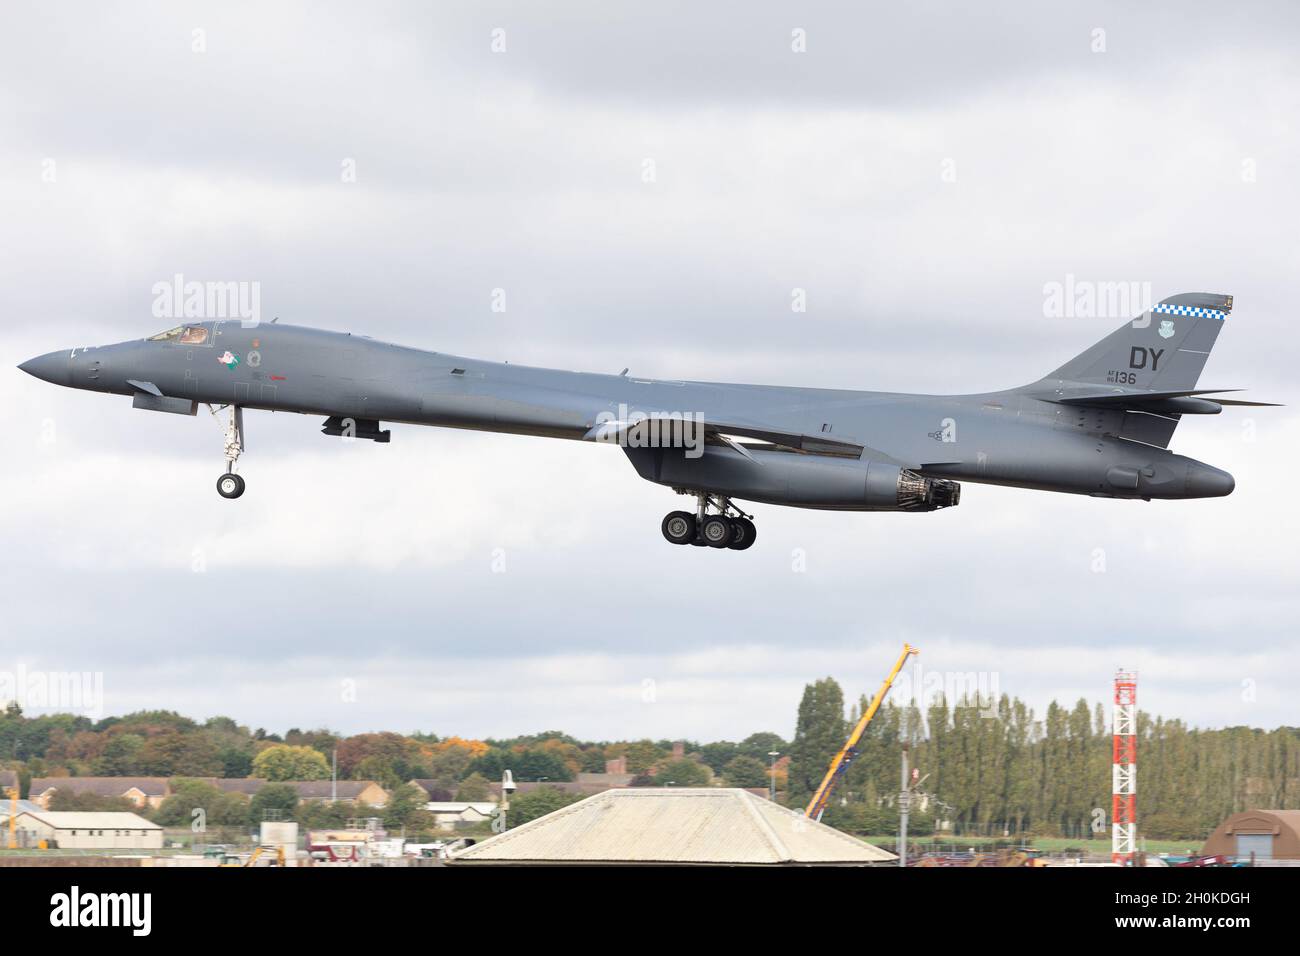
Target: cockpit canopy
183,335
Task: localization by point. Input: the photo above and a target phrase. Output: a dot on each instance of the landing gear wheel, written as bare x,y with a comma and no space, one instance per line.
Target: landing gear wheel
743,534
230,485
679,527
716,531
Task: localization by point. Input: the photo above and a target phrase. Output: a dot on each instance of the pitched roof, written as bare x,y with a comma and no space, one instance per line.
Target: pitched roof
606,780
91,820
708,825
324,789
432,788
249,785
24,806
104,786
482,808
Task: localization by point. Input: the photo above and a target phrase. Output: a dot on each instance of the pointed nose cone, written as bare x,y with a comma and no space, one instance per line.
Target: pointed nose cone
53,367
1206,482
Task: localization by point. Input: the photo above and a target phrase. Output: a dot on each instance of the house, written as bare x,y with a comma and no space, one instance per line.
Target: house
1259,836
450,814
705,826
431,789
88,830
8,780
357,791
248,786
144,792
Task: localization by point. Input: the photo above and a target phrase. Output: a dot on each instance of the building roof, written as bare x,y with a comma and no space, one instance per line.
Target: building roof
432,789
606,780
324,789
248,785
24,806
1284,825
580,787
8,778
481,807
104,786
709,825
91,820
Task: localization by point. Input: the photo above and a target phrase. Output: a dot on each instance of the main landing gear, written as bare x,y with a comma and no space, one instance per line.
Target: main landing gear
231,485
725,527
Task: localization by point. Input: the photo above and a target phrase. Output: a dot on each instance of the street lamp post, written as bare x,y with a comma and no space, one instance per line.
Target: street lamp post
771,786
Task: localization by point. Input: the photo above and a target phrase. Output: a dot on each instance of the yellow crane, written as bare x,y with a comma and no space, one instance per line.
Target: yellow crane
840,762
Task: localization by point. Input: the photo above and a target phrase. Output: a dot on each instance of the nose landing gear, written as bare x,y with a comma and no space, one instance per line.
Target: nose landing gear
231,485
717,523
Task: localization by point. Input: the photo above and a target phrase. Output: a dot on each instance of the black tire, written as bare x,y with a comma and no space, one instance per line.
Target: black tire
230,485
678,527
743,534
715,531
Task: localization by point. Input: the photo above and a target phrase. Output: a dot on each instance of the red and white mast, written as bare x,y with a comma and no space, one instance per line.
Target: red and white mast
1123,814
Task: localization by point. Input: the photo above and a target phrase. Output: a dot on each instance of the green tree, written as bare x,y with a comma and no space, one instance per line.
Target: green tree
819,734
405,808
120,756
287,762
683,772
642,755
761,744
474,787
275,797
718,755
537,803
380,769
744,771
218,808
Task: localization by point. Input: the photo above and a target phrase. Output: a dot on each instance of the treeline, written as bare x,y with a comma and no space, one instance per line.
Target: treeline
994,768
987,768
167,744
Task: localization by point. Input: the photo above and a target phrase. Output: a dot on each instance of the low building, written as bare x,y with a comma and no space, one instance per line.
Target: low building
23,806
88,830
432,790
449,814
706,826
357,791
1261,835
141,791
248,786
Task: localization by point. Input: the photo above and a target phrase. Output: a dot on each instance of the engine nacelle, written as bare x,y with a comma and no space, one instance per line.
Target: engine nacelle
802,481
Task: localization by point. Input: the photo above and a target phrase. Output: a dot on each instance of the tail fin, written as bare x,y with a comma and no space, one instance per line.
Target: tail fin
1164,348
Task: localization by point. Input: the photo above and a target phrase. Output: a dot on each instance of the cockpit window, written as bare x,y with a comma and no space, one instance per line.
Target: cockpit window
183,335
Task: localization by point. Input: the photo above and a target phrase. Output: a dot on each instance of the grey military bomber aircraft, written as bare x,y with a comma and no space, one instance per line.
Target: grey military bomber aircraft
1099,425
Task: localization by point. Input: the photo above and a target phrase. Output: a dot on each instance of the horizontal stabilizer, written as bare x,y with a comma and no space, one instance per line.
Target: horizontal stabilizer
1181,402
1115,396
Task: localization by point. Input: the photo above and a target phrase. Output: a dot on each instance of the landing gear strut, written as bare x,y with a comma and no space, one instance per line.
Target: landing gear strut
231,485
716,523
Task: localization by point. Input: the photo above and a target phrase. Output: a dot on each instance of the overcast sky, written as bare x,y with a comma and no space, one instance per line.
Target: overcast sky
648,183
